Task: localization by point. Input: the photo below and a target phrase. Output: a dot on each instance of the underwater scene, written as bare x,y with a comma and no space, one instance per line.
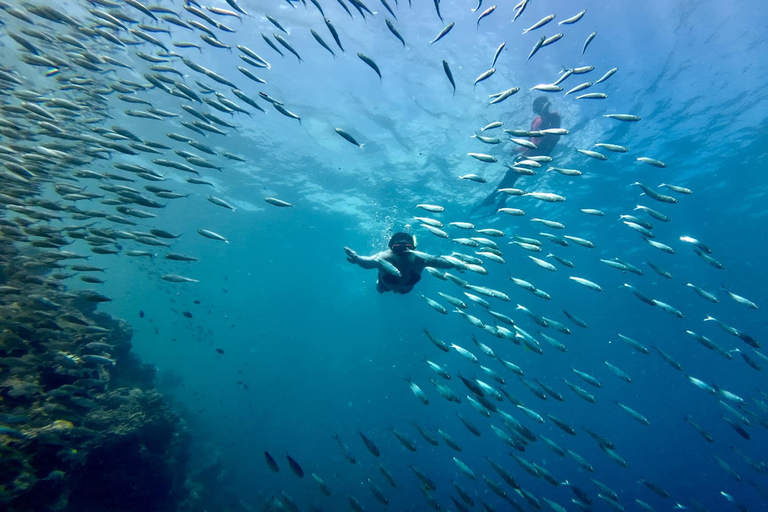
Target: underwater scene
369,255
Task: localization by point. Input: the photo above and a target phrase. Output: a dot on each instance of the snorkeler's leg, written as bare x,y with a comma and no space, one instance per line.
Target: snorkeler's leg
380,287
485,208
509,180
488,203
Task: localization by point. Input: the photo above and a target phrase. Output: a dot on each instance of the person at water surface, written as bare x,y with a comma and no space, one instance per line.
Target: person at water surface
545,144
544,120
400,258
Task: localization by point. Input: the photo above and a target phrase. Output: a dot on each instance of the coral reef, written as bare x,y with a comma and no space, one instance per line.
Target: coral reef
81,426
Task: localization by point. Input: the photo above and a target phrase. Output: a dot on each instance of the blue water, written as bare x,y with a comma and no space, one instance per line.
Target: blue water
310,349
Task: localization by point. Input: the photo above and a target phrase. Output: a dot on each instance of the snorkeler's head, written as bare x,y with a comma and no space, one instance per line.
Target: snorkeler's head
541,105
401,242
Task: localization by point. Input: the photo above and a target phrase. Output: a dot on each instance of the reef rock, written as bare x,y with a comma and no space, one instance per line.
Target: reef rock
81,426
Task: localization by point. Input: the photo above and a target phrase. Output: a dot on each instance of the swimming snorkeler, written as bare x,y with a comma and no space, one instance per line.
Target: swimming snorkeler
544,146
400,266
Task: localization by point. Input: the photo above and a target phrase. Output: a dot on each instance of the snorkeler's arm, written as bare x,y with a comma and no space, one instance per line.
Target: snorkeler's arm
436,261
366,262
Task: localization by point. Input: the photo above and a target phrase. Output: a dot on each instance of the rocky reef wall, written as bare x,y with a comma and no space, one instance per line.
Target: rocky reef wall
81,426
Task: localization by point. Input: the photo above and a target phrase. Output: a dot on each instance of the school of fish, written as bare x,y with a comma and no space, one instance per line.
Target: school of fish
74,174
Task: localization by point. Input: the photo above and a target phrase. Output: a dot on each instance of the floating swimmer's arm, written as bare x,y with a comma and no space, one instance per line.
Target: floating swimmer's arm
440,262
366,262
429,260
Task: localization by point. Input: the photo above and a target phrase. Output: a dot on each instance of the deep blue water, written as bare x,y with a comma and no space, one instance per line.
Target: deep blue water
322,353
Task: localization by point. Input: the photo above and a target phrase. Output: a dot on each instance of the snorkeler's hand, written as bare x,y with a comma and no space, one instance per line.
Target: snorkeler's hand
352,256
